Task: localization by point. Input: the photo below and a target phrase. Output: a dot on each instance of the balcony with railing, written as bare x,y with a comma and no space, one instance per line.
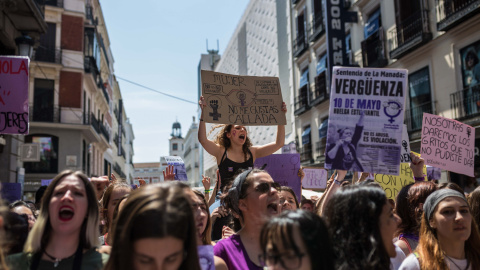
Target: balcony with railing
104,91
465,104
90,66
300,45
410,34
320,92
49,55
301,103
414,116
118,169
104,131
316,28
451,13
373,50
48,114
95,123
306,154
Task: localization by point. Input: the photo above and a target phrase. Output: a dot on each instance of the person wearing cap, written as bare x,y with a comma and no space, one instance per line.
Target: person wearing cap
254,198
449,238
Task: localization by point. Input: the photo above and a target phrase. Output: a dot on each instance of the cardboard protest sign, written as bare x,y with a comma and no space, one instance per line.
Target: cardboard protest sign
205,256
242,100
366,117
14,95
284,170
405,153
178,166
11,191
315,178
392,184
448,144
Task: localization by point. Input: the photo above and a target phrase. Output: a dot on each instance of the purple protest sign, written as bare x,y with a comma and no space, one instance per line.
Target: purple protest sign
284,170
46,182
14,95
178,166
314,178
205,256
11,191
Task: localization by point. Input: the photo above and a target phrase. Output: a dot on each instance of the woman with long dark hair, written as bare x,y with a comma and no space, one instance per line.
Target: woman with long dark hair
296,240
155,229
253,197
361,224
232,147
449,238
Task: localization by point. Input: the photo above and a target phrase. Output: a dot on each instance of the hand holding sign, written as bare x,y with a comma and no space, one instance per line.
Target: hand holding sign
168,173
417,165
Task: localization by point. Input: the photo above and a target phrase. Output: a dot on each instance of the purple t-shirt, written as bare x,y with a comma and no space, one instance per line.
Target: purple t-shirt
232,251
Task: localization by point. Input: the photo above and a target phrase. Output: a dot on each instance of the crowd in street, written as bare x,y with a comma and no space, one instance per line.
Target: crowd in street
247,221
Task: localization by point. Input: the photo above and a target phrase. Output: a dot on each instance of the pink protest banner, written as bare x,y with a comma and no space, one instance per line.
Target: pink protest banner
448,144
14,95
314,178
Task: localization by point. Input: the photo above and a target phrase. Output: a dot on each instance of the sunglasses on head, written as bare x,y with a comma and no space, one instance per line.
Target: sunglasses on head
265,187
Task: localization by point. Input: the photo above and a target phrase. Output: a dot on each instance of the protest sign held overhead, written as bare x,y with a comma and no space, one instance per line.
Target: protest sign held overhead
315,178
366,111
178,167
392,184
448,144
405,153
242,100
283,168
14,95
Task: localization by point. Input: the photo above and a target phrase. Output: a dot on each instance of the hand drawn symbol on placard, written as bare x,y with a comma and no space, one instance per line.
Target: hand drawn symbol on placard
469,132
392,109
241,97
5,93
405,144
215,104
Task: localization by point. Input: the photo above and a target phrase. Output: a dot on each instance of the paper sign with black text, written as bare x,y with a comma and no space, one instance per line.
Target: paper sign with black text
178,167
314,178
405,153
242,100
448,144
366,120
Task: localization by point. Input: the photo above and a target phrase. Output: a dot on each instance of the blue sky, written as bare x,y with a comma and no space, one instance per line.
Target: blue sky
158,43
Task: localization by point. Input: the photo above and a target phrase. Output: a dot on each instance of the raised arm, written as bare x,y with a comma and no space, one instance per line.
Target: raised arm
270,148
337,182
211,147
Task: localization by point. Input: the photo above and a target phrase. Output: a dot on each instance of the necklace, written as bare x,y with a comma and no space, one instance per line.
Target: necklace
56,260
456,265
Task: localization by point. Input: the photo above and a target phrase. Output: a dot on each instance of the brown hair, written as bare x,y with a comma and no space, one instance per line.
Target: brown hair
474,202
432,255
408,206
106,200
222,139
288,189
207,233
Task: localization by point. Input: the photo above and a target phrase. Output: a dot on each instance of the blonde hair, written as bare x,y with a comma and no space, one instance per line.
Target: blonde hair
40,234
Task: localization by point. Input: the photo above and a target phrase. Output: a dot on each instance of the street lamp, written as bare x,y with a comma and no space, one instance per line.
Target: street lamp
25,45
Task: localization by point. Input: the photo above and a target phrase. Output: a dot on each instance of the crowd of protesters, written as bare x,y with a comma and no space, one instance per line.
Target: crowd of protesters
247,221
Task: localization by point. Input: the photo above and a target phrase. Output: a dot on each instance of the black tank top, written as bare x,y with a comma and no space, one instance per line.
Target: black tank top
228,168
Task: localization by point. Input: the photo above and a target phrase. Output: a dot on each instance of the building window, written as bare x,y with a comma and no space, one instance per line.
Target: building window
174,146
46,51
420,97
48,154
43,96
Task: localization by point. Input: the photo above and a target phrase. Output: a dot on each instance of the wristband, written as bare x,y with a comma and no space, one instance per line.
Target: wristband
419,178
337,182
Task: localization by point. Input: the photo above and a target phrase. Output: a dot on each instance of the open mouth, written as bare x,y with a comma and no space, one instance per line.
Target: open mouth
273,208
242,136
66,213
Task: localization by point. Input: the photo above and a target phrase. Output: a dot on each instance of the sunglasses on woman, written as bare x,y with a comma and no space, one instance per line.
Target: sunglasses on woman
266,187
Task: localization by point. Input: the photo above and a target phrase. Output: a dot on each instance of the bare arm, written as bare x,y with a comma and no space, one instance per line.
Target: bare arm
218,183
333,189
211,147
270,148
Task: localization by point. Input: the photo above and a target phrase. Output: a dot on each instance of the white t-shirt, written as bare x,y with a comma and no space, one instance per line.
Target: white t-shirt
411,263
397,261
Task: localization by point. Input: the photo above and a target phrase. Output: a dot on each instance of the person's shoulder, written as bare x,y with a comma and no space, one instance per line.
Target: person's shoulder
19,260
410,263
92,259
